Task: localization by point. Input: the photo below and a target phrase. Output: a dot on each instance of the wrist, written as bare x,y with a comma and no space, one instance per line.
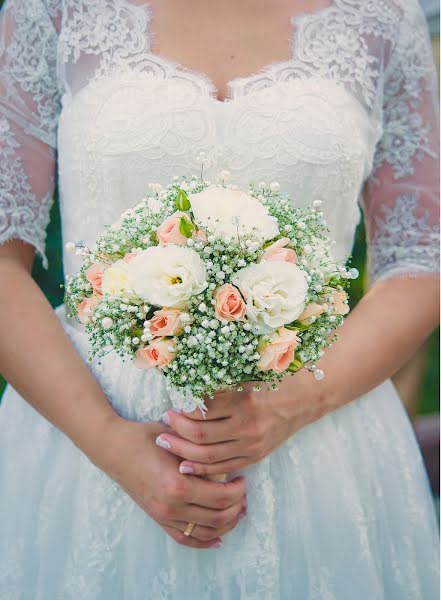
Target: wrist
114,440
96,431
306,400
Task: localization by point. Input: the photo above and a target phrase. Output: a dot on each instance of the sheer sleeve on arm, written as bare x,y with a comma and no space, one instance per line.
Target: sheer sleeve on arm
401,199
29,109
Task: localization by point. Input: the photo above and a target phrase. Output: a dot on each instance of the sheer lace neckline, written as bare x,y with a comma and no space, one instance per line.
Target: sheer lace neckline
231,85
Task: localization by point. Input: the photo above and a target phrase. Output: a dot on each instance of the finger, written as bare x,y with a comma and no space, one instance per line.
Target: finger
211,494
219,407
208,453
190,541
228,466
208,534
210,517
200,432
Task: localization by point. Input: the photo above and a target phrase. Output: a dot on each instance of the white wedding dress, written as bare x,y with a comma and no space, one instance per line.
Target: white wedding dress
343,510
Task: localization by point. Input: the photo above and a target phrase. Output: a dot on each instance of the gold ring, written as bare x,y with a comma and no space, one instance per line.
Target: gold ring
189,529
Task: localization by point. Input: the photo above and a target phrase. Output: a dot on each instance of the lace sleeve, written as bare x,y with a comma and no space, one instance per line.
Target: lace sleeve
29,108
401,199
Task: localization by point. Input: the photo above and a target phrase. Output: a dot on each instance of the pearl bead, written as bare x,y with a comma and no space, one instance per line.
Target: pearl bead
318,375
107,323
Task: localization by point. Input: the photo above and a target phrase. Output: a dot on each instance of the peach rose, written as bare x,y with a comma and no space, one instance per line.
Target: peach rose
85,308
156,354
339,305
129,257
168,232
229,303
277,251
278,354
166,322
94,275
311,310
199,235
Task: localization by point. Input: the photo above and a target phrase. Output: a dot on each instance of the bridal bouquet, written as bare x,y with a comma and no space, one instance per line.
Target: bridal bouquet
214,286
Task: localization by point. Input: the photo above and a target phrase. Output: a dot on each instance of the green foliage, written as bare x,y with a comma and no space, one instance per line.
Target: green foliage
186,227
182,201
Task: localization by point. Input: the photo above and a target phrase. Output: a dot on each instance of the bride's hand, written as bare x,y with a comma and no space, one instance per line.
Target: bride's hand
241,428
150,476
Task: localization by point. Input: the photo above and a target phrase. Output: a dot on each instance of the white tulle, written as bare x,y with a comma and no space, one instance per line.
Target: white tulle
343,509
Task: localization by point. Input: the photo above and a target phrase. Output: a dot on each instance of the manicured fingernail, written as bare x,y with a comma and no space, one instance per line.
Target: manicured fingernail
186,469
165,418
163,443
217,544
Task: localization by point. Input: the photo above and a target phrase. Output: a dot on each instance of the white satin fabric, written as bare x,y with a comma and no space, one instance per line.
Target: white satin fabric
341,511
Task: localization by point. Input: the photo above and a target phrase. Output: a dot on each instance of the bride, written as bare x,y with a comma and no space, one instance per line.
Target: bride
327,498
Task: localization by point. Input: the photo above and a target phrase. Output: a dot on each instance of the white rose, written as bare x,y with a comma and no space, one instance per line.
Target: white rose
116,280
235,210
275,293
167,275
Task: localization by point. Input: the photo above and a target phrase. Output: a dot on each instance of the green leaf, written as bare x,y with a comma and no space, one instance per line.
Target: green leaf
295,366
182,201
298,326
186,227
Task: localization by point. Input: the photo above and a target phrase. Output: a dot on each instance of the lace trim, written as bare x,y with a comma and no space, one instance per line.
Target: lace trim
405,242
22,215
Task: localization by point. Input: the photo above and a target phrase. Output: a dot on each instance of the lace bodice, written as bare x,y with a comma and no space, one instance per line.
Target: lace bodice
351,114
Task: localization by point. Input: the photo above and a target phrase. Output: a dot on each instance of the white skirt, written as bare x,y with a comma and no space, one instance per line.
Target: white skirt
342,511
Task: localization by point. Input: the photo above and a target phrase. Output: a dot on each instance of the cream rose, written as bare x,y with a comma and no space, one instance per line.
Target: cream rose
167,275
226,211
278,353
116,281
274,292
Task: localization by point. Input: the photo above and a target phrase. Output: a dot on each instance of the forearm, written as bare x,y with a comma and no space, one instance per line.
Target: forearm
39,361
384,330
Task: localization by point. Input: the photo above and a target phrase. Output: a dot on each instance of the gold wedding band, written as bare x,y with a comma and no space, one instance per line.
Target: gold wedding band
189,529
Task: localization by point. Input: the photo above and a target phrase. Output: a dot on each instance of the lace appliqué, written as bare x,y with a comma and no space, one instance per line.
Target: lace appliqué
405,242
408,77
112,30
22,215
28,75
405,139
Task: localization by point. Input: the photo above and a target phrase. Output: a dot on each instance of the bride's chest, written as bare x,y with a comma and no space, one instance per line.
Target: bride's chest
166,119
